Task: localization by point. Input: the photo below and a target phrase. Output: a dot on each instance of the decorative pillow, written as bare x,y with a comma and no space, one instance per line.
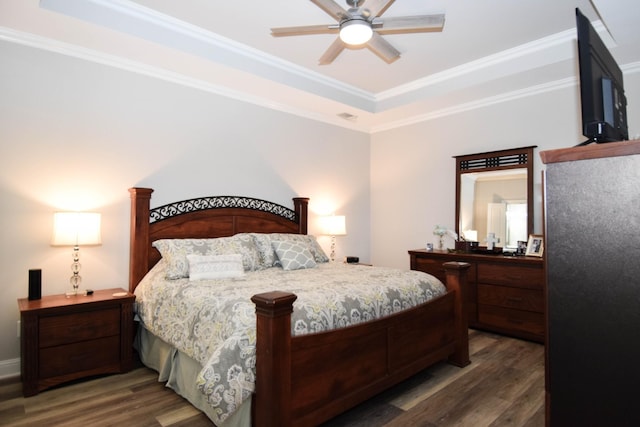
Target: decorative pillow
249,251
268,256
293,255
175,252
309,240
202,267
316,249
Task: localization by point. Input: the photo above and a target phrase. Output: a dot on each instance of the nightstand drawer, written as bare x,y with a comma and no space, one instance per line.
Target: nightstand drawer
511,275
81,356
518,298
512,320
80,326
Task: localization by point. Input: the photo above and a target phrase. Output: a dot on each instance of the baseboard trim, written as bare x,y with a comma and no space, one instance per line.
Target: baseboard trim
9,368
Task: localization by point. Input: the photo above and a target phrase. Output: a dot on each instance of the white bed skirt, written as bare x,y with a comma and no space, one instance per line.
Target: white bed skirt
180,371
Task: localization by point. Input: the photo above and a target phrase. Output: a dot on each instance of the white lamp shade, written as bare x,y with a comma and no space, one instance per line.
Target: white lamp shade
335,225
355,32
76,228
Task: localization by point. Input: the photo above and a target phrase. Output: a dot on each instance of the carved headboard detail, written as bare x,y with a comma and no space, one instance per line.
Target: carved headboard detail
206,217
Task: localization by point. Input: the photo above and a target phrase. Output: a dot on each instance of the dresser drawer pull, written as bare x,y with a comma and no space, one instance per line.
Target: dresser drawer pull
514,299
515,321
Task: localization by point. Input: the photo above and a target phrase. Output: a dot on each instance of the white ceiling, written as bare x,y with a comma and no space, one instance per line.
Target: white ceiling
488,51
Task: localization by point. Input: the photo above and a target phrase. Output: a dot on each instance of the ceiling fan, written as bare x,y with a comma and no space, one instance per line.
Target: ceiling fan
361,26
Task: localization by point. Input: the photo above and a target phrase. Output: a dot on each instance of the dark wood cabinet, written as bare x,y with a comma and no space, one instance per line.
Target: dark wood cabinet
506,293
592,203
69,337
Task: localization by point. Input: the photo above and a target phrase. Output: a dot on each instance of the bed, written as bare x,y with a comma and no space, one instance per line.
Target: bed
299,379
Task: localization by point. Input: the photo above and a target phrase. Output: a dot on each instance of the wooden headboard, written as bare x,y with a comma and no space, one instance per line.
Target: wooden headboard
205,217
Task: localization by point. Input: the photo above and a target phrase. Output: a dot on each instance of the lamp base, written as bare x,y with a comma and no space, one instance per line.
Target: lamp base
332,257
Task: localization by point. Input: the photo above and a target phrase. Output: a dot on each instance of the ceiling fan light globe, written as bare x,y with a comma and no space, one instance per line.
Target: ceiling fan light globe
355,31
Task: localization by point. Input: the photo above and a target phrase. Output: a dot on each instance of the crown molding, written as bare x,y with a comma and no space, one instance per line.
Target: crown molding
497,60
50,45
480,103
123,15
131,18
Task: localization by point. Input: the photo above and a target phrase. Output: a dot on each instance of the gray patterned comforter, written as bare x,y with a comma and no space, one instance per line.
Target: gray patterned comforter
213,321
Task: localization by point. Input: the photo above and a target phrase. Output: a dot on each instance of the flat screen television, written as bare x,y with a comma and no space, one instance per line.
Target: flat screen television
604,105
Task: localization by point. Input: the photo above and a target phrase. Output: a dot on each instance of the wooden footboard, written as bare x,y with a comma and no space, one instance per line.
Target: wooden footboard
303,381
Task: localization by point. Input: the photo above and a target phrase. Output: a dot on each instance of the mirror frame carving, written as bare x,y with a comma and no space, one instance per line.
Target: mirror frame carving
515,158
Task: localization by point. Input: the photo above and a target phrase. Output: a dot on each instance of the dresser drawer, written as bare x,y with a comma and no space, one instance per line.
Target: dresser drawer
80,326
518,298
431,266
511,320
435,267
511,275
79,357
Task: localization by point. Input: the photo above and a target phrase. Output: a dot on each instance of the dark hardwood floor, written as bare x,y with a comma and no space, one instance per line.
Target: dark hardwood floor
503,386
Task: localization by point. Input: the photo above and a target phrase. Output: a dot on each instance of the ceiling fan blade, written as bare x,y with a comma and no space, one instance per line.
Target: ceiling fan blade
304,30
377,7
332,8
383,48
411,24
332,53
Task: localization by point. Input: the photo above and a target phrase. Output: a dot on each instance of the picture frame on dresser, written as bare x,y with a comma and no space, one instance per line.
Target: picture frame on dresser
522,247
535,245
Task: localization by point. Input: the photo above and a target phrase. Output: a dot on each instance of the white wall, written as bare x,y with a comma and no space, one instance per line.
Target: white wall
76,135
413,170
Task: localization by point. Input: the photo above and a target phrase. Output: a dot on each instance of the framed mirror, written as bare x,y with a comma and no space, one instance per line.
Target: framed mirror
494,194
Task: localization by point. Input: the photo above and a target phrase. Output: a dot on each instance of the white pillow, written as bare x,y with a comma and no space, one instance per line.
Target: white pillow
293,255
202,267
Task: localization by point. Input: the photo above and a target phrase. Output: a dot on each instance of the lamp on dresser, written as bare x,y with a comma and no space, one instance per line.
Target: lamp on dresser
334,225
75,229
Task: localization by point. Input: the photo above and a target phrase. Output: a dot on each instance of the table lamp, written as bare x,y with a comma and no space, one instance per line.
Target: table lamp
75,229
334,225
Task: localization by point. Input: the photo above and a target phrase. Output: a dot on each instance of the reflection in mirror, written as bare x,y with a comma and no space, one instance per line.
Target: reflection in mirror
494,202
494,195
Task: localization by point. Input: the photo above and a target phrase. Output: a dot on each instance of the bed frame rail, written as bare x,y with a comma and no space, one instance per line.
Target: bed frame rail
303,381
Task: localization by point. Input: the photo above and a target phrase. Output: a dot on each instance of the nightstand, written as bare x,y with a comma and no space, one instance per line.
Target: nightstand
64,338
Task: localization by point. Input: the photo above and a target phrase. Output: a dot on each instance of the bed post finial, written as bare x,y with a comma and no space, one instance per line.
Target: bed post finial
301,207
139,235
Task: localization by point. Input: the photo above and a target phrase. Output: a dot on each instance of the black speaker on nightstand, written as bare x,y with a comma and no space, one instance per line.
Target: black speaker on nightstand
35,284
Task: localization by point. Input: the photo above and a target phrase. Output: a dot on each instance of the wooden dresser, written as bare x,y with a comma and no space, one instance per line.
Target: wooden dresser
506,293
66,338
